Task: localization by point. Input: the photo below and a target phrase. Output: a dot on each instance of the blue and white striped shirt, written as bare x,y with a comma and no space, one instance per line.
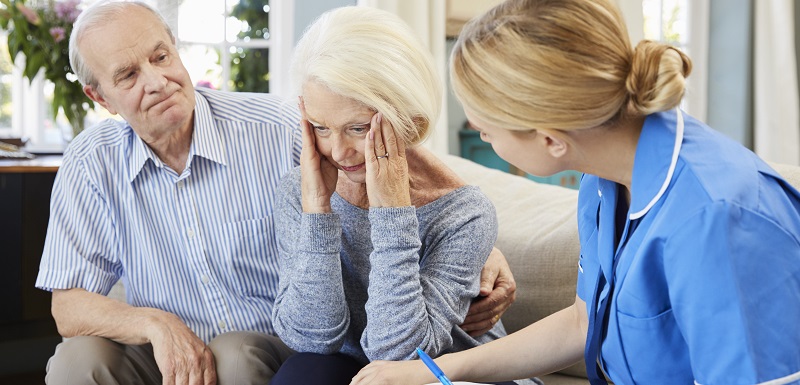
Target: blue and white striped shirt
200,244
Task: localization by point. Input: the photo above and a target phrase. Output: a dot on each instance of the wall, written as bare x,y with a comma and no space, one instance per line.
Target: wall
730,68
307,11
455,113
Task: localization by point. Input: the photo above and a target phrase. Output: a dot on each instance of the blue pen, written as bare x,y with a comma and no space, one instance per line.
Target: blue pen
432,366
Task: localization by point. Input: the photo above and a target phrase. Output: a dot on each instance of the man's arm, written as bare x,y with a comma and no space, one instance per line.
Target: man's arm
179,353
498,292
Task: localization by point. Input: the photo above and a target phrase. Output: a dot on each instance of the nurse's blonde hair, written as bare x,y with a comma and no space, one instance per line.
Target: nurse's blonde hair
566,65
374,57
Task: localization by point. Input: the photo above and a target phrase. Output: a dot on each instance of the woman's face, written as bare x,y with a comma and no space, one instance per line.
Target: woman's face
340,125
525,150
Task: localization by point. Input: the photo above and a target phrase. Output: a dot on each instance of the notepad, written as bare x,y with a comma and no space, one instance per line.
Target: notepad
459,383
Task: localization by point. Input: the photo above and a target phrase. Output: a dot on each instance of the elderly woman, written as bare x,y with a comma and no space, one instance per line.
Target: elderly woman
381,244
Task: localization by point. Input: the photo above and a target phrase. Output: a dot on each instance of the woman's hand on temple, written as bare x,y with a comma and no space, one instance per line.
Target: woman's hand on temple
387,167
318,175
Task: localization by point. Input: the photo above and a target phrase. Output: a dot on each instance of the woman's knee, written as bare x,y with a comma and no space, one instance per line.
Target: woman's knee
321,369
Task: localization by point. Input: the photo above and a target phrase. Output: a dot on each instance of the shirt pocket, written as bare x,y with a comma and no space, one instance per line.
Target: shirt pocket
251,257
654,349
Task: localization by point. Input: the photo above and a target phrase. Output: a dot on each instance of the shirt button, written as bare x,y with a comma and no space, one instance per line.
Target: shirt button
190,233
180,184
222,324
204,279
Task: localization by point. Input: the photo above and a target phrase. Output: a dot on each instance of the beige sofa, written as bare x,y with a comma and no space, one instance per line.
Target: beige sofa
539,237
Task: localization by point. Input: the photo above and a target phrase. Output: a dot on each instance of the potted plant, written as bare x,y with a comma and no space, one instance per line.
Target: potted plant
41,32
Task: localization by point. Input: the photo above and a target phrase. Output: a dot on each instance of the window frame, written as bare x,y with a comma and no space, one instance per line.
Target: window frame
28,102
696,99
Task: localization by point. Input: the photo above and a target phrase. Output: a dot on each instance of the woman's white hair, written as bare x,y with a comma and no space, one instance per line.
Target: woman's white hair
99,14
373,57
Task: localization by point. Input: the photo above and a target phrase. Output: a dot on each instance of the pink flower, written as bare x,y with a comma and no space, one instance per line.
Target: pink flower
205,83
58,34
29,14
67,10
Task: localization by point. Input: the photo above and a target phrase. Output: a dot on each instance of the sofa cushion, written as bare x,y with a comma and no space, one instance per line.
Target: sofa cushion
538,235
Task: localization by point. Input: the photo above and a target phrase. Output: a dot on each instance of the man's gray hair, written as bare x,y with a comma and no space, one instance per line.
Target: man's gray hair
96,15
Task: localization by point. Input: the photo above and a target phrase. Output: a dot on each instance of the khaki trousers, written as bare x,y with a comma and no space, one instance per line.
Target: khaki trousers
241,358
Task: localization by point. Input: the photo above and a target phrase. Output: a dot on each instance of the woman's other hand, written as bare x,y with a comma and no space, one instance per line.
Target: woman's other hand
318,175
387,168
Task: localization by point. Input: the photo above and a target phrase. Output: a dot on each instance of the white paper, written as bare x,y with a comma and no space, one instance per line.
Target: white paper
459,383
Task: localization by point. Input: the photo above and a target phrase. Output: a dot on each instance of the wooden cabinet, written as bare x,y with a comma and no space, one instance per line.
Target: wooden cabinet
27,331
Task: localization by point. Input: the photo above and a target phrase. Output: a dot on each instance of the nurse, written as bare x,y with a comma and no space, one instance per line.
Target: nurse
690,262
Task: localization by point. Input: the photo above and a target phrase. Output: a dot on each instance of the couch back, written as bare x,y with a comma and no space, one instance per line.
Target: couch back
538,235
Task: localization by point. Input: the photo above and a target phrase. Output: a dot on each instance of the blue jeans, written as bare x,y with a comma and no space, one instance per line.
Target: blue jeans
317,369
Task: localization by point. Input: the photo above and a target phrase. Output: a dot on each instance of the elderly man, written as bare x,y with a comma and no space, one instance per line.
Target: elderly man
177,202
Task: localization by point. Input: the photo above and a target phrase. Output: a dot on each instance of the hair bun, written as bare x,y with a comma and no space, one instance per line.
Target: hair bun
657,78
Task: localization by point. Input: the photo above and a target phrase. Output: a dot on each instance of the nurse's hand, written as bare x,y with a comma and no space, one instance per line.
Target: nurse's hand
317,175
498,292
387,167
394,373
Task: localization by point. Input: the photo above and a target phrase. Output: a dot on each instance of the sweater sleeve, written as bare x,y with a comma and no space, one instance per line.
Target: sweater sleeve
310,312
416,302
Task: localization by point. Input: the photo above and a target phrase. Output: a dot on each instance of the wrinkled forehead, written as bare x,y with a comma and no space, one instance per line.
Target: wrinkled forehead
328,108
123,40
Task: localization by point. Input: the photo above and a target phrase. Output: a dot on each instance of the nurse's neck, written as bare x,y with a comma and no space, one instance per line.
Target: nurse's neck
608,151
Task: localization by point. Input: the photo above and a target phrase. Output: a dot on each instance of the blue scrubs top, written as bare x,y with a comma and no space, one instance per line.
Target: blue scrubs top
707,285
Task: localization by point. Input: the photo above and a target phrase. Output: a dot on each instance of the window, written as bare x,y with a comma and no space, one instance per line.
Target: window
6,85
227,45
684,24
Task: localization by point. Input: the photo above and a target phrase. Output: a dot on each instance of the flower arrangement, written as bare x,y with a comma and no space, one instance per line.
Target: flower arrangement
41,32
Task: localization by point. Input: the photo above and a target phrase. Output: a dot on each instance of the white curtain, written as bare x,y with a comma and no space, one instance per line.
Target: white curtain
427,17
776,132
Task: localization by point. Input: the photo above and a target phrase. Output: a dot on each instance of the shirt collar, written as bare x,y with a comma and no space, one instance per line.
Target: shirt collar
206,142
656,157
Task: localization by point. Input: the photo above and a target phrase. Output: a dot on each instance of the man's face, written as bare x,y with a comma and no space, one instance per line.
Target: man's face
139,74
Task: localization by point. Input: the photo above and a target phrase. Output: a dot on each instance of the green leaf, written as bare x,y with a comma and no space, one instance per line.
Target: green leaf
13,46
5,17
33,64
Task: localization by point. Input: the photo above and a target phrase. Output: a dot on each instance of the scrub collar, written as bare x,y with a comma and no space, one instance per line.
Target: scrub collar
656,157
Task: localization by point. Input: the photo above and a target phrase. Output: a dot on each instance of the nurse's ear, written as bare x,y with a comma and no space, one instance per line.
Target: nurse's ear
556,142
